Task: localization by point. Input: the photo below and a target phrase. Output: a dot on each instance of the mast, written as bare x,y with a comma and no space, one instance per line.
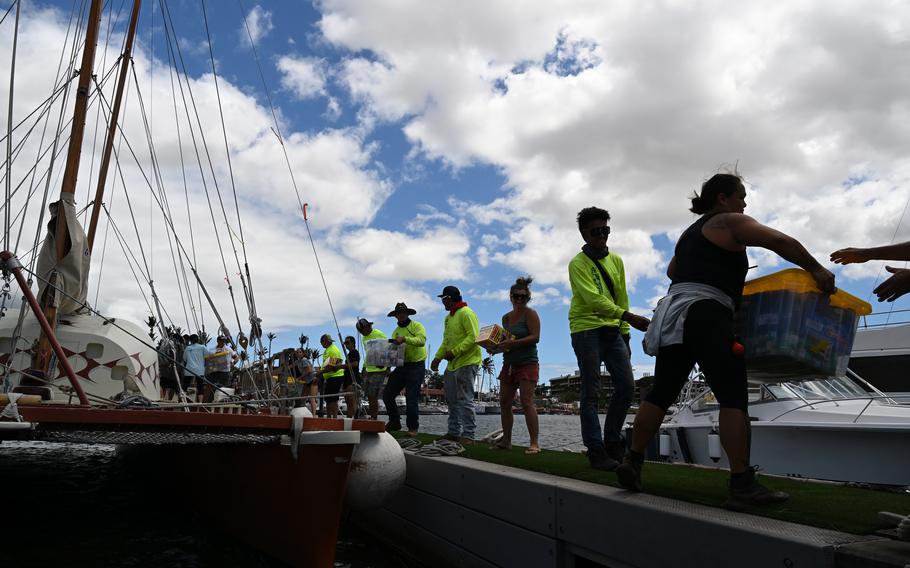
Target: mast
125,59
70,175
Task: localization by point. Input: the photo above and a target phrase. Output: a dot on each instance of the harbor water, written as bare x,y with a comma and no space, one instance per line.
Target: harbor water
85,506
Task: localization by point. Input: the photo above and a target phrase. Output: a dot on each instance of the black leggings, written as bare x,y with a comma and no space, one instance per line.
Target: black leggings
707,340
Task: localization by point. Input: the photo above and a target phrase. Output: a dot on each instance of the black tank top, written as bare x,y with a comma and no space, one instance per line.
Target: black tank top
699,260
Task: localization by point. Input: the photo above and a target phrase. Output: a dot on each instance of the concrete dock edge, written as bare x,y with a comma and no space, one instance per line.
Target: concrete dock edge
467,513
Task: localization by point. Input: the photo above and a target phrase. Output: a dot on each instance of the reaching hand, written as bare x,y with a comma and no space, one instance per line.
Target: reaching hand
824,279
894,287
850,256
434,365
398,340
638,322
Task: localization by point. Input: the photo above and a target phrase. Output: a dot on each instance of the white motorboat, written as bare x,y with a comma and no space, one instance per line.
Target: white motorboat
839,429
881,356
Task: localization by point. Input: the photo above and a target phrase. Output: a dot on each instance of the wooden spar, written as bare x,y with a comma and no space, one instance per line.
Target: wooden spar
70,175
112,128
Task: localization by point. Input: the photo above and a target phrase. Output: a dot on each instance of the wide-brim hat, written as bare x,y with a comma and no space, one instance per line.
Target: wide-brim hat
402,306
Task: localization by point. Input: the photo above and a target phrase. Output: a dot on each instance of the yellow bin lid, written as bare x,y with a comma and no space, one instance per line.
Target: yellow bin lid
799,281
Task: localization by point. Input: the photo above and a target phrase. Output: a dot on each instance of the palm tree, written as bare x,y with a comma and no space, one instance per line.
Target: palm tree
270,336
304,340
151,323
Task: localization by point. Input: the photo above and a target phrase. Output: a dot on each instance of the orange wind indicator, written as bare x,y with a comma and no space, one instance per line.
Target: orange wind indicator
305,205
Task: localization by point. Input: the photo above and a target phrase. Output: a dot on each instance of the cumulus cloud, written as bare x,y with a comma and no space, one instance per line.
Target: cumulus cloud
303,76
577,107
257,25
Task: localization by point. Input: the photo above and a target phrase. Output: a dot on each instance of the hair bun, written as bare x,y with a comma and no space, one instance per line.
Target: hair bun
524,281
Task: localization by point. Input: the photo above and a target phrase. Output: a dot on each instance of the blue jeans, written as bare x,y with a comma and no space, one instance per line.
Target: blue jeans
459,386
593,347
408,377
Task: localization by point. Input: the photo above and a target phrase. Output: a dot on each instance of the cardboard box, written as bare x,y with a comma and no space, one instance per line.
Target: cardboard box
492,335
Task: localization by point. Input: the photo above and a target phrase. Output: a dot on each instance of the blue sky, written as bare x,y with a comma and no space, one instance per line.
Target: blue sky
453,142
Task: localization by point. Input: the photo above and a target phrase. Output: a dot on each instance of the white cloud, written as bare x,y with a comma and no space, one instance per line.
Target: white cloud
435,254
257,25
304,76
577,107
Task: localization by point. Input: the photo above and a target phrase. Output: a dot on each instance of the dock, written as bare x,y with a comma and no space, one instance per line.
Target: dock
456,511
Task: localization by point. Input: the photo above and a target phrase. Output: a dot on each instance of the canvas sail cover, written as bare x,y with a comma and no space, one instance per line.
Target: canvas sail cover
72,270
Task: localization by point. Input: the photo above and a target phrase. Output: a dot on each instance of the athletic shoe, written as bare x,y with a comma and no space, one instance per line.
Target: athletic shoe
392,426
466,441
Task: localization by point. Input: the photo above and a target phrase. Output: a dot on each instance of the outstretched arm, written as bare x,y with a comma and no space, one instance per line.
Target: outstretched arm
899,251
749,232
894,287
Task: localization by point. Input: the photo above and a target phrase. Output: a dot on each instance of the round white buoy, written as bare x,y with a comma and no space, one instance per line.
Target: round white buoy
377,471
714,447
664,443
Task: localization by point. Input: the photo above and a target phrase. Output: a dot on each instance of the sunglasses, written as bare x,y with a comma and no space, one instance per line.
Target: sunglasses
521,297
599,231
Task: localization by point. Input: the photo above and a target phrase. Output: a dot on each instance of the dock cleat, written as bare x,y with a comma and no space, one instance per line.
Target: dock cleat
629,471
746,491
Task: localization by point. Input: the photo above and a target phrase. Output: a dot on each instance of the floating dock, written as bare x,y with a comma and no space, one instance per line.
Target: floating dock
455,511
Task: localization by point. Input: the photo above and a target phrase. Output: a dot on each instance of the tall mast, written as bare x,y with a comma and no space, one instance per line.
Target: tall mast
70,175
112,128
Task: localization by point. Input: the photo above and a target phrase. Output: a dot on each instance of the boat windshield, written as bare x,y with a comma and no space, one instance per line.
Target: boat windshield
832,388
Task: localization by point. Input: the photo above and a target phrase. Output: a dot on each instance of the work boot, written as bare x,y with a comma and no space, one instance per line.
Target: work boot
412,433
392,426
629,471
615,450
746,491
451,437
467,441
600,460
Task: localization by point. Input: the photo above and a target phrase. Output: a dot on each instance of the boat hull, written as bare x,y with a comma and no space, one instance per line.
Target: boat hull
863,453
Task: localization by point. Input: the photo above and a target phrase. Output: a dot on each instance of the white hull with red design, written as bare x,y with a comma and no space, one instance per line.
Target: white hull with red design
109,359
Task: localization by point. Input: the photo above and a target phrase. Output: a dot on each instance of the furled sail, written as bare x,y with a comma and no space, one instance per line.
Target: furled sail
72,270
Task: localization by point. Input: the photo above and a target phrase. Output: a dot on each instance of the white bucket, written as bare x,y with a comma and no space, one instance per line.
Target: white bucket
223,393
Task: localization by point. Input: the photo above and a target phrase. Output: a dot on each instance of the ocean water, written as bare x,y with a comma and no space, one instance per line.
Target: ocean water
85,506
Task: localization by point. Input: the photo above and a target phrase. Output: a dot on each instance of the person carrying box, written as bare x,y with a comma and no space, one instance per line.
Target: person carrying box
410,375
693,323
464,357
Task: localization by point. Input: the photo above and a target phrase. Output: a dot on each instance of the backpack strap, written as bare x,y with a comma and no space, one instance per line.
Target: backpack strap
604,275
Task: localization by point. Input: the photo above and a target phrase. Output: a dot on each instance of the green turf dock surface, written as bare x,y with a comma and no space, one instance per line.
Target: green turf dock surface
825,505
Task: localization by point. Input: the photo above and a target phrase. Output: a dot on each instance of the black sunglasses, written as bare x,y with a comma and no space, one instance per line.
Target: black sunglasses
599,231
521,297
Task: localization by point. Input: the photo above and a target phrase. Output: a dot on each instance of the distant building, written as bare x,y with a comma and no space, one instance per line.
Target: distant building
566,388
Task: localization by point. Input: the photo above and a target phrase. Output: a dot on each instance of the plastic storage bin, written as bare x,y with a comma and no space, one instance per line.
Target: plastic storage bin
792,331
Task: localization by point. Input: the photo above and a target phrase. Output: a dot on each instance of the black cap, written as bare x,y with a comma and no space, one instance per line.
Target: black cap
450,291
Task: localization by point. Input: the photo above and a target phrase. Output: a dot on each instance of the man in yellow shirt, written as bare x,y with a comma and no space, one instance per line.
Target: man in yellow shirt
463,368
333,372
410,375
373,376
599,321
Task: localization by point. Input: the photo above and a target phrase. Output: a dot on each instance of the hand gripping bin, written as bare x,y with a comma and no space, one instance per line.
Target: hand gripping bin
791,331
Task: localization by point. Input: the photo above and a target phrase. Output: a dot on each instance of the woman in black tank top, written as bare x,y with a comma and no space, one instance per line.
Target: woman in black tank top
709,265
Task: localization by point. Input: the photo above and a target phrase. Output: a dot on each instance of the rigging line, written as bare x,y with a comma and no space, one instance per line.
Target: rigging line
165,210
900,221
8,10
227,152
21,145
127,253
193,134
212,169
9,123
186,194
47,117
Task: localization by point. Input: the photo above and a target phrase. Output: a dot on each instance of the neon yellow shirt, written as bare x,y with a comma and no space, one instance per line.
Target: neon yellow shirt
375,334
592,305
332,352
415,341
458,337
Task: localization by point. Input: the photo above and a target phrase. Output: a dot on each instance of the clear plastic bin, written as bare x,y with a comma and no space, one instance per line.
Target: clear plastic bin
792,331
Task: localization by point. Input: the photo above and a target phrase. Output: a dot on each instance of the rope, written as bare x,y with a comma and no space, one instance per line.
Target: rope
9,124
438,449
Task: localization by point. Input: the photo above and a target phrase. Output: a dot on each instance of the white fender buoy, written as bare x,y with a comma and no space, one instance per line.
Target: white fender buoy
714,448
377,471
664,443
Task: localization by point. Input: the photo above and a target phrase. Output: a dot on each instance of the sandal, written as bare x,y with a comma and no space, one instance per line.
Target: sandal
530,451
